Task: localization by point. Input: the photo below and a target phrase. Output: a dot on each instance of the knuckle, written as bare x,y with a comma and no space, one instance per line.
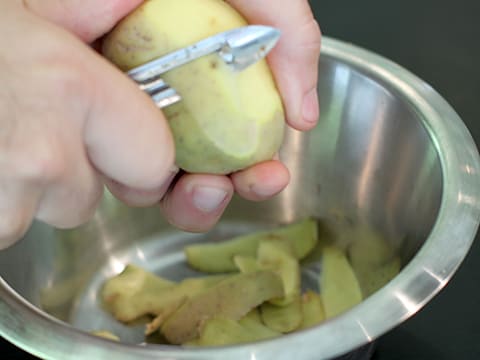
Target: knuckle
41,132
316,31
69,205
313,34
69,81
39,163
45,165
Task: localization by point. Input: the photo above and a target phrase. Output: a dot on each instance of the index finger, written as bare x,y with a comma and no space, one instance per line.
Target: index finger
294,61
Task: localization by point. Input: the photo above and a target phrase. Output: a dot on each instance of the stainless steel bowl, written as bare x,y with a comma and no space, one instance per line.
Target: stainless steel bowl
389,154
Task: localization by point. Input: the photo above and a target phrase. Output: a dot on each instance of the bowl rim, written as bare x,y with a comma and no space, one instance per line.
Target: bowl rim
422,278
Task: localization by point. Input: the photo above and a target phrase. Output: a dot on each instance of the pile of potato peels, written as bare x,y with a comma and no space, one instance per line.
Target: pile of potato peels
252,288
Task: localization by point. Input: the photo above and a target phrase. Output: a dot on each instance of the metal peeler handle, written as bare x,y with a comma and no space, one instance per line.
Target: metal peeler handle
238,48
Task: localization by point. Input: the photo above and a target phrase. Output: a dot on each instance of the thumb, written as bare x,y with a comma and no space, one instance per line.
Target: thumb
294,61
88,19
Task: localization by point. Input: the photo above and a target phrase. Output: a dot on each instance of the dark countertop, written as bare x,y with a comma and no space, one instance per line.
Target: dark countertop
438,41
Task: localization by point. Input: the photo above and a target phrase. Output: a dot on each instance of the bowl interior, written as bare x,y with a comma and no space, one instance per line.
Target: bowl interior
370,165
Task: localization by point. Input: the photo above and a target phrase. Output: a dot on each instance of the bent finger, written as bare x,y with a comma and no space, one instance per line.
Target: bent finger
127,136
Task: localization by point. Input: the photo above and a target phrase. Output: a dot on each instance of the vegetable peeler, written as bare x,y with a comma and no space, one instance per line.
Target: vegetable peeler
238,48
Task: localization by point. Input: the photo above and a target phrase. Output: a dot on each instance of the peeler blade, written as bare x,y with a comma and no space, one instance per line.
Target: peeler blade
247,45
238,48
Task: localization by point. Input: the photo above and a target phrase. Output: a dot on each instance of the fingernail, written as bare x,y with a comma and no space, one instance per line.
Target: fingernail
264,191
208,199
310,109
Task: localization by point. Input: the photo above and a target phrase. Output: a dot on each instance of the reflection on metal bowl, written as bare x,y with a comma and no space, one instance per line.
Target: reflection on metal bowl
389,155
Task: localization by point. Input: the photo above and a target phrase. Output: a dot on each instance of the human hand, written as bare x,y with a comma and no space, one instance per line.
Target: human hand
70,122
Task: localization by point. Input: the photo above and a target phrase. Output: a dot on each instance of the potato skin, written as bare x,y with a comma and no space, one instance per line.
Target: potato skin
226,120
231,298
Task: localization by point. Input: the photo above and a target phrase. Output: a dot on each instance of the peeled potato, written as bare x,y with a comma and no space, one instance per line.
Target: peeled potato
227,120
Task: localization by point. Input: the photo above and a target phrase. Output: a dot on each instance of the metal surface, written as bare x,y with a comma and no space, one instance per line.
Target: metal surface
161,93
389,153
239,48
